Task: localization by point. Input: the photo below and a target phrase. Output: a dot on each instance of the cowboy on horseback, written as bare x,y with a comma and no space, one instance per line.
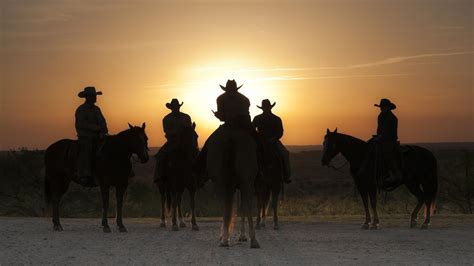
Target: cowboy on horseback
386,143
233,110
91,129
270,130
173,124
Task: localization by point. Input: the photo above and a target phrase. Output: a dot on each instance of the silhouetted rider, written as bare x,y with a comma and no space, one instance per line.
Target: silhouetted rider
173,124
270,129
233,110
386,140
91,128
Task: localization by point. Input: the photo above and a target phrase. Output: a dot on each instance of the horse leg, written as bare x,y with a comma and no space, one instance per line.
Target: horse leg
57,192
266,199
119,192
427,221
104,191
242,237
364,196
195,227
259,209
163,210
229,197
174,207
56,223
180,214
415,190
246,204
373,203
275,194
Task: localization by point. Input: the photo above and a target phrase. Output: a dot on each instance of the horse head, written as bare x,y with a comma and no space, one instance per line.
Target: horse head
330,149
139,142
188,141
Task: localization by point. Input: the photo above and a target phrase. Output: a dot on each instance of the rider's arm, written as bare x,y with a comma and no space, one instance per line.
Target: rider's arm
102,122
279,129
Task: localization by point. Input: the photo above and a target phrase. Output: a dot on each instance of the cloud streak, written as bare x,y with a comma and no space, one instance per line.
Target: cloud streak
387,61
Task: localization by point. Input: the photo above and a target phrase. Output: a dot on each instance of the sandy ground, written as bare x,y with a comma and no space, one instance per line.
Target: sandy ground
300,241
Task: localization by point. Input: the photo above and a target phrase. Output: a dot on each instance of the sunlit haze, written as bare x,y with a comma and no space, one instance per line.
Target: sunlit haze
324,63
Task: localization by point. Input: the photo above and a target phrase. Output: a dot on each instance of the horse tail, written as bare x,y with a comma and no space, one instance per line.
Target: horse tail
432,187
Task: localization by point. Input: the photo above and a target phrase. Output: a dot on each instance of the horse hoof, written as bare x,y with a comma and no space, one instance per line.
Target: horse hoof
257,226
242,239
413,224
106,229
122,229
175,227
162,225
254,243
276,227
195,227
224,243
365,226
182,225
374,227
58,228
424,226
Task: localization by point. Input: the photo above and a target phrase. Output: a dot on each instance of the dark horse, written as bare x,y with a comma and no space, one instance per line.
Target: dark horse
419,173
112,168
270,184
178,175
231,165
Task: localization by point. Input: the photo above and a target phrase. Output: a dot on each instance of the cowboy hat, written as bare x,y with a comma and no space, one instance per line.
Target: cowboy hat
386,102
231,85
266,104
174,104
88,91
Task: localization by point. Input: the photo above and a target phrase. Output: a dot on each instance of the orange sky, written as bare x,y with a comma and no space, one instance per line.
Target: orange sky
325,63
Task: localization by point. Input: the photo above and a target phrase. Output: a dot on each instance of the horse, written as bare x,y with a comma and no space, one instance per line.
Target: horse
420,174
112,168
270,184
231,164
178,175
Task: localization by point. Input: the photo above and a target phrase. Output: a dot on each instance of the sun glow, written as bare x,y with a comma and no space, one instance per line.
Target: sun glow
198,87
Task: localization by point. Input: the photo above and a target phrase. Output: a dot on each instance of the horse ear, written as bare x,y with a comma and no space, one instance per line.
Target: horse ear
130,126
335,130
143,125
194,125
327,131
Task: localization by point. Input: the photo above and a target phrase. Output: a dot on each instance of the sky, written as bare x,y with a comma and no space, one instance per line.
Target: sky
325,63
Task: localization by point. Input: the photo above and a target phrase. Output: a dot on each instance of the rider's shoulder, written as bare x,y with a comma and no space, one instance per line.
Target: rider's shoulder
83,107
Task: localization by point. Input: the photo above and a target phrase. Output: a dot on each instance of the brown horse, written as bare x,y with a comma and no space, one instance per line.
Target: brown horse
178,175
232,165
419,173
270,184
112,168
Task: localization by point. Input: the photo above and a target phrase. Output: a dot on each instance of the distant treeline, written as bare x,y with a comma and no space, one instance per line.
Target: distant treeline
314,191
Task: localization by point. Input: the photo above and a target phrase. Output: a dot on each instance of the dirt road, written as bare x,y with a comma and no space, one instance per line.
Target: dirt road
312,241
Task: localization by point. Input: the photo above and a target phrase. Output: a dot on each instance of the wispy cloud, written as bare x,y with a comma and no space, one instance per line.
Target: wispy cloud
386,61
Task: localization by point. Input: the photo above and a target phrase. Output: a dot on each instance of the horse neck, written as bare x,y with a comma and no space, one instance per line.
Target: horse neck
353,149
118,145
185,142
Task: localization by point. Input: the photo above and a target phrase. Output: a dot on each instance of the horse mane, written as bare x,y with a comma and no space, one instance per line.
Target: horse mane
353,139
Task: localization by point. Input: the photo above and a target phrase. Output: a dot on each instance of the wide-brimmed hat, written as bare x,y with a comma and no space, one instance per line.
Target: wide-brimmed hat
88,91
231,85
266,104
386,102
174,104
